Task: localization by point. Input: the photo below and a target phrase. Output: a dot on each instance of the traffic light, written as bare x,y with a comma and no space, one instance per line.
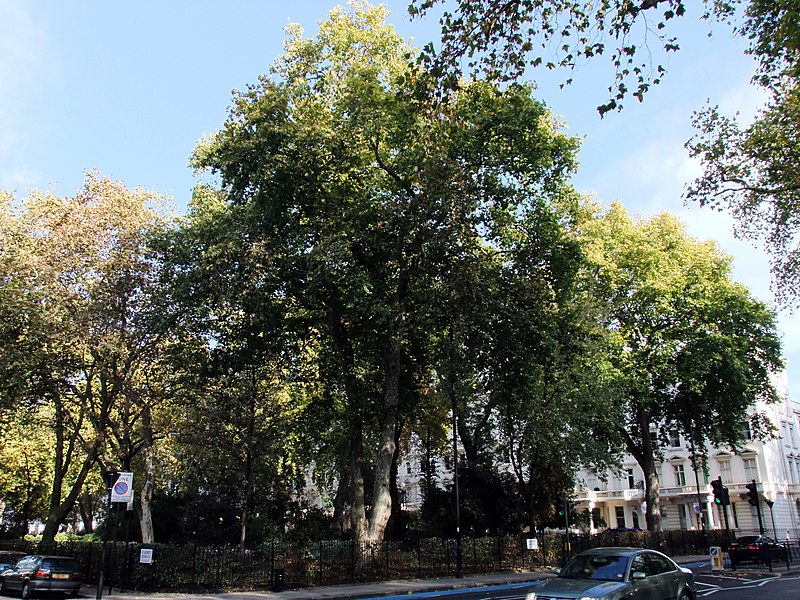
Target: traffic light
752,493
721,497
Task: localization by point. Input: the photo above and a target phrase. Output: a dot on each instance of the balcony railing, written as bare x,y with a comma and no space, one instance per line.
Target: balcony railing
638,494
668,492
606,495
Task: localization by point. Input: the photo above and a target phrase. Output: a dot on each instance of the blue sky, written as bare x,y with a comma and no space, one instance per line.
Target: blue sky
128,88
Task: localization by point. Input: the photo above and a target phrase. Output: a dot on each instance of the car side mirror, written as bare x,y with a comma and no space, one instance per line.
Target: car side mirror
638,575
557,571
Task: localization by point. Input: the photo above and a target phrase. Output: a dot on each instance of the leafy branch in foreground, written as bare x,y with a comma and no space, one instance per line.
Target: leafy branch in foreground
502,38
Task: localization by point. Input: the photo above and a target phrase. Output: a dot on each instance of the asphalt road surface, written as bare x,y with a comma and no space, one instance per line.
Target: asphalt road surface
715,586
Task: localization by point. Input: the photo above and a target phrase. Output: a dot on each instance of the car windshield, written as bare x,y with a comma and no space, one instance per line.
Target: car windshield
607,567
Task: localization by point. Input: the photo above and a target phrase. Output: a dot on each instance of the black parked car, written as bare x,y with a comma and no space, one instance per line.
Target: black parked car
38,573
756,549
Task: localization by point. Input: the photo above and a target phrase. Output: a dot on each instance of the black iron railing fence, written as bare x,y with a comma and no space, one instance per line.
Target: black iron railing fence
295,564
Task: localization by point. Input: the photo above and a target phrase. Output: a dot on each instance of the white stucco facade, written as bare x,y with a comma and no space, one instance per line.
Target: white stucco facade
774,464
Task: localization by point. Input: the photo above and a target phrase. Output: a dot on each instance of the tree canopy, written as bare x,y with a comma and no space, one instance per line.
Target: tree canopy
692,351
357,262
750,170
365,202
77,331
502,39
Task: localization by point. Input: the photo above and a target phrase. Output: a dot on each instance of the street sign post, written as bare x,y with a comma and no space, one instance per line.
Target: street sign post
717,561
122,488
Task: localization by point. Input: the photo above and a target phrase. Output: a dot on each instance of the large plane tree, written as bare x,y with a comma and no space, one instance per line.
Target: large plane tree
692,351
359,201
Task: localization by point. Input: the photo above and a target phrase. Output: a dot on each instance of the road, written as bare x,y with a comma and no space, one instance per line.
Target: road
764,587
716,587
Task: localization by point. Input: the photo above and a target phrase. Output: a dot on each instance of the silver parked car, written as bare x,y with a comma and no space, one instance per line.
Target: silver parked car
618,574
40,573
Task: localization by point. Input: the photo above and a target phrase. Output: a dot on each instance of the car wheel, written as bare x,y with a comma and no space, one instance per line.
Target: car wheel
685,596
26,591
3,587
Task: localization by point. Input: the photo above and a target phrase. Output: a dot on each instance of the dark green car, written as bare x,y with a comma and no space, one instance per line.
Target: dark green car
619,574
40,573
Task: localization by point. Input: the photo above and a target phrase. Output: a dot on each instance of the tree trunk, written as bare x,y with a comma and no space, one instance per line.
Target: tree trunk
144,511
249,463
352,506
653,498
644,453
60,510
86,509
396,525
382,496
355,511
146,498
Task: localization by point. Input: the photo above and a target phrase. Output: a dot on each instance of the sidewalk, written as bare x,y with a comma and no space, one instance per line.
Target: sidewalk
390,589
385,589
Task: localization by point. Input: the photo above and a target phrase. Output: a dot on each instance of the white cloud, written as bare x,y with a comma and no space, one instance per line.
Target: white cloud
650,176
745,99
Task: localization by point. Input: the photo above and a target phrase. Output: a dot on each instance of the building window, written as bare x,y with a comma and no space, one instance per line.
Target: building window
792,473
725,471
631,482
684,516
750,469
408,468
680,475
673,439
620,517
747,433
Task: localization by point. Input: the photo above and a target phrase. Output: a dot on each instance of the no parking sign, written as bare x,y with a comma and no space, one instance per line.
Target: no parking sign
122,488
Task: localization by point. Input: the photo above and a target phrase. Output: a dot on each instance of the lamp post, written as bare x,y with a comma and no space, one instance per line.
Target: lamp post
109,477
701,513
459,558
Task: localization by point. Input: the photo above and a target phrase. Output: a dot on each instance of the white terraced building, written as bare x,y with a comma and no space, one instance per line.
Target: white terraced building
619,497
774,464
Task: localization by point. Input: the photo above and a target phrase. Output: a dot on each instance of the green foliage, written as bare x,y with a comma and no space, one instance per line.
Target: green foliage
691,349
501,39
751,172
368,220
25,468
78,266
